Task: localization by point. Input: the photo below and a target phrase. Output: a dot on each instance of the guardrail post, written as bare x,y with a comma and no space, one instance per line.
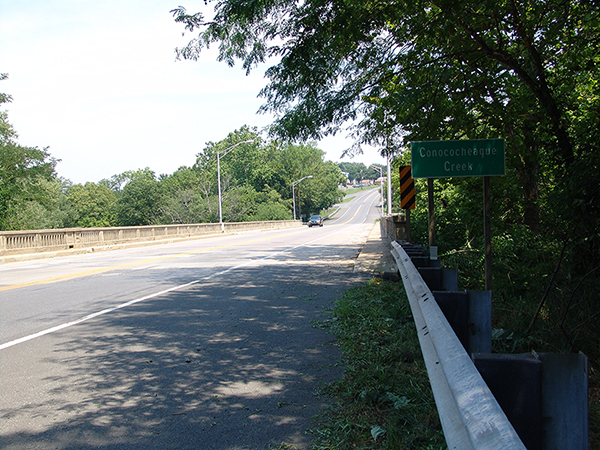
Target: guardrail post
470,315
516,382
480,321
455,306
545,396
565,401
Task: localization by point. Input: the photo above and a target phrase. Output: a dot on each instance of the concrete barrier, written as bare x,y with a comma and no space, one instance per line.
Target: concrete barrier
40,242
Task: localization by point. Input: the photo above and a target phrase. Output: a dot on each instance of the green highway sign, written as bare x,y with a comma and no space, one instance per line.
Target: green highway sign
462,158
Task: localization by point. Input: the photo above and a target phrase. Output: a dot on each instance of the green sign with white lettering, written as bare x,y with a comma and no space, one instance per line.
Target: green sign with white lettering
462,158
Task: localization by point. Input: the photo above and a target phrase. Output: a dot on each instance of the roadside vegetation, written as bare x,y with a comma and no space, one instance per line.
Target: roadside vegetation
383,400
392,73
256,180
545,282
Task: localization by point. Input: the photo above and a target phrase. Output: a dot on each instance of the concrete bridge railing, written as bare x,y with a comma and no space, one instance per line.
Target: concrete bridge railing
14,243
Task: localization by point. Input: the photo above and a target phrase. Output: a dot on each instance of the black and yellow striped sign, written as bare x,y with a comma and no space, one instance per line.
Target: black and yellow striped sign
407,188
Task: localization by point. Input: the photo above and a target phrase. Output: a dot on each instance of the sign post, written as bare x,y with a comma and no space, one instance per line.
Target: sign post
487,233
461,158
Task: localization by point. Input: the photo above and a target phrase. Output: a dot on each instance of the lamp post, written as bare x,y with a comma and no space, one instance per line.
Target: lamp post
389,185
224,152
294,192
380,184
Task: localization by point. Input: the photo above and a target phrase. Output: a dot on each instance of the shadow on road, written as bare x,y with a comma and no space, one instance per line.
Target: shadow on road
234,362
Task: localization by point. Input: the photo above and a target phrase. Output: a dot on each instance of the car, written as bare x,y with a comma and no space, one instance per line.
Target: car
315,220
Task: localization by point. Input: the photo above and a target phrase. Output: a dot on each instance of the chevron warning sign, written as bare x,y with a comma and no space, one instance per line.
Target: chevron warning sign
407,188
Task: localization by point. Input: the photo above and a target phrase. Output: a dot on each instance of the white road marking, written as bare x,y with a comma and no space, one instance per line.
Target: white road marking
156,294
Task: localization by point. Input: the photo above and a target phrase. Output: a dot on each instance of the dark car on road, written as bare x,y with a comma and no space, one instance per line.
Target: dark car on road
315,220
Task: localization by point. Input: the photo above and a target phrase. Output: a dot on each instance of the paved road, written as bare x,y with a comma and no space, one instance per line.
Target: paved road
206,344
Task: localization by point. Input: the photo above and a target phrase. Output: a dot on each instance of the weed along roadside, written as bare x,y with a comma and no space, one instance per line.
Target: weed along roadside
383,400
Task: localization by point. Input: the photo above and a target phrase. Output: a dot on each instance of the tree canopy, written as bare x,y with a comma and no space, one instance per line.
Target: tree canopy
27,178
395,72
256,179
402,65
430,70
426,70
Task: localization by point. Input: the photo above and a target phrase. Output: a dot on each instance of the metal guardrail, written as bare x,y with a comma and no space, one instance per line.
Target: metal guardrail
14,243
470,414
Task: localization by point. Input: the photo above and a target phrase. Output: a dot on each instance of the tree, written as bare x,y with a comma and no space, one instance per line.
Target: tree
319,192
139,202
28,184
94,204
183,200
263,172
323,190
426,70
270,206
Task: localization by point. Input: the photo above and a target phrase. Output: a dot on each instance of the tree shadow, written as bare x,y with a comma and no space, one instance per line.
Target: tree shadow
232,362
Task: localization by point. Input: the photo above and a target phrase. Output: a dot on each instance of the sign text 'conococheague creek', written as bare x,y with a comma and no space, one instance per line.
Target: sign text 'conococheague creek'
459,158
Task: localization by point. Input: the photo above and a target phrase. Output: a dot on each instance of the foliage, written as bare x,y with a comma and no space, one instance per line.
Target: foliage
140,201
186,197
29,189
258,172
545,283
94,204
271,207
405,71
384,399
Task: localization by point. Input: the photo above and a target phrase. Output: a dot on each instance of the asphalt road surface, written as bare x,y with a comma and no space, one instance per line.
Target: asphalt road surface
203,344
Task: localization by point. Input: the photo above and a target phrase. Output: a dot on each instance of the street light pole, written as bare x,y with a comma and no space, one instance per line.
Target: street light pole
294,192
380,184
389,185
224,152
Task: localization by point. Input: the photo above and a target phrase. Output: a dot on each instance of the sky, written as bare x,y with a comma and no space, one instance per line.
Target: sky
98,83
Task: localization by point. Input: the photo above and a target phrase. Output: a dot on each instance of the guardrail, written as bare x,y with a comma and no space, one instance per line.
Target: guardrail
470,414
13,243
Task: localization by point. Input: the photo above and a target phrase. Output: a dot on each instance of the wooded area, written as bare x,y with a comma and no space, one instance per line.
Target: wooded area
256,180
525,71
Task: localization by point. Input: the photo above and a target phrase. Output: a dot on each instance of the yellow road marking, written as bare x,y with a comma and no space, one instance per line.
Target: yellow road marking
146,261
137,263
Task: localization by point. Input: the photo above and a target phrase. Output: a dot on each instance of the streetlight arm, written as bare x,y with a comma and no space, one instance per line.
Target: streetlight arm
372,166
228,149
298,181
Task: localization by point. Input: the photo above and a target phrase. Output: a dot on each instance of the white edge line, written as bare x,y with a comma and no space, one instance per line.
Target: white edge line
147,297
91,316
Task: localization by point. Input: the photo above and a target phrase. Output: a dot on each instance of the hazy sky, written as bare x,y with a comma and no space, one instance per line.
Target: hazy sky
97,82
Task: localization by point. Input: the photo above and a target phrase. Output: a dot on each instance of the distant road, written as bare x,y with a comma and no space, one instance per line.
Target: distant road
204,344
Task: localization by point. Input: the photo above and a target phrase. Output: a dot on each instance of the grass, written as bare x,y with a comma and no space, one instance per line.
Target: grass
383,400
